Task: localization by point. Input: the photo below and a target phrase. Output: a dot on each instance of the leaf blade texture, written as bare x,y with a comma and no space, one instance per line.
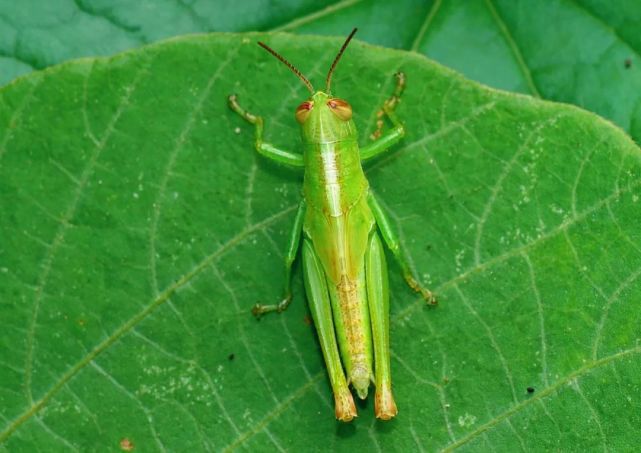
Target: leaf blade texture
139,227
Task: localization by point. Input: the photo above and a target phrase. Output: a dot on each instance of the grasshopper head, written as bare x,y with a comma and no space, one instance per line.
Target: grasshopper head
325,118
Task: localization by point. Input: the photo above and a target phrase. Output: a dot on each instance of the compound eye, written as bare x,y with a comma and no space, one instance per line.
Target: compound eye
341,108
302,112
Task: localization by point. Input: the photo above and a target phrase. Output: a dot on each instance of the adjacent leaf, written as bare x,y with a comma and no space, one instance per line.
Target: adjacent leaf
139,227
38,34
584,52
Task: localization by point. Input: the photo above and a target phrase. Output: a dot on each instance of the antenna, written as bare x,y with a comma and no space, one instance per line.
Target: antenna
338,57
289,65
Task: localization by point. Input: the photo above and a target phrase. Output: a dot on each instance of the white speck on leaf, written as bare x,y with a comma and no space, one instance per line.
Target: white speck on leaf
556,209
466,420
459,259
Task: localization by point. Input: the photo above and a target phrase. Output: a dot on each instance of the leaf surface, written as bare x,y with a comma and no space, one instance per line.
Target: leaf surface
139,227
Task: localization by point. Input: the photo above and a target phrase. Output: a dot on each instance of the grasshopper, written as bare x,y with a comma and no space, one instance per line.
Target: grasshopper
341,224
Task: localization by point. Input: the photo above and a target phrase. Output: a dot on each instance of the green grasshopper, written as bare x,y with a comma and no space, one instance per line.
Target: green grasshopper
343,258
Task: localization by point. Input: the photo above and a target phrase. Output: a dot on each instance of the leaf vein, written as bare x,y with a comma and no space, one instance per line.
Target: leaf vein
171,161
303,20
498,185
243,335
492,338
58,238
275,412
55,435
16,116
429,18
514,48
539,309
131,396
580,372
577,388
614,297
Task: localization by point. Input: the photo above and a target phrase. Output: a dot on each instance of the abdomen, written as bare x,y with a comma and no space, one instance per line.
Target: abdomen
338,222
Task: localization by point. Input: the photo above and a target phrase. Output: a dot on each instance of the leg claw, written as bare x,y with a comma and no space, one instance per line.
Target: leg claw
259,309
429,297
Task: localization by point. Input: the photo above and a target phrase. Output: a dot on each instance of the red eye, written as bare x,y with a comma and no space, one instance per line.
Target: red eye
341,108
302,112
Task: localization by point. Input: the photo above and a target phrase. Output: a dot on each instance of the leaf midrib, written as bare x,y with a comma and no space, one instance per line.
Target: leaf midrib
139,317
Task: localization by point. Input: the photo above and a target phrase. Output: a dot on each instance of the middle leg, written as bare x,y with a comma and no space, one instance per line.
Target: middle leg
290,256
392,242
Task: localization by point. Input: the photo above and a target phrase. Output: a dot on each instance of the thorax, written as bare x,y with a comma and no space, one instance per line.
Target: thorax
334,178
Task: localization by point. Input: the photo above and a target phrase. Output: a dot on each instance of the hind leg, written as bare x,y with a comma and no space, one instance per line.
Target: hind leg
378,301
320,306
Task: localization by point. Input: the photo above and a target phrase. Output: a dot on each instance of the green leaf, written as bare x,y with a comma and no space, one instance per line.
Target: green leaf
584,52
139,227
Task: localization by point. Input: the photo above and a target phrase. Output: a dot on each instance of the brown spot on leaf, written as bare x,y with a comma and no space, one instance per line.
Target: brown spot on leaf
126,444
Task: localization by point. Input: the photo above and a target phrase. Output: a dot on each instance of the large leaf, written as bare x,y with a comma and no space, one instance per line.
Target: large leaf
139,227
586,52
